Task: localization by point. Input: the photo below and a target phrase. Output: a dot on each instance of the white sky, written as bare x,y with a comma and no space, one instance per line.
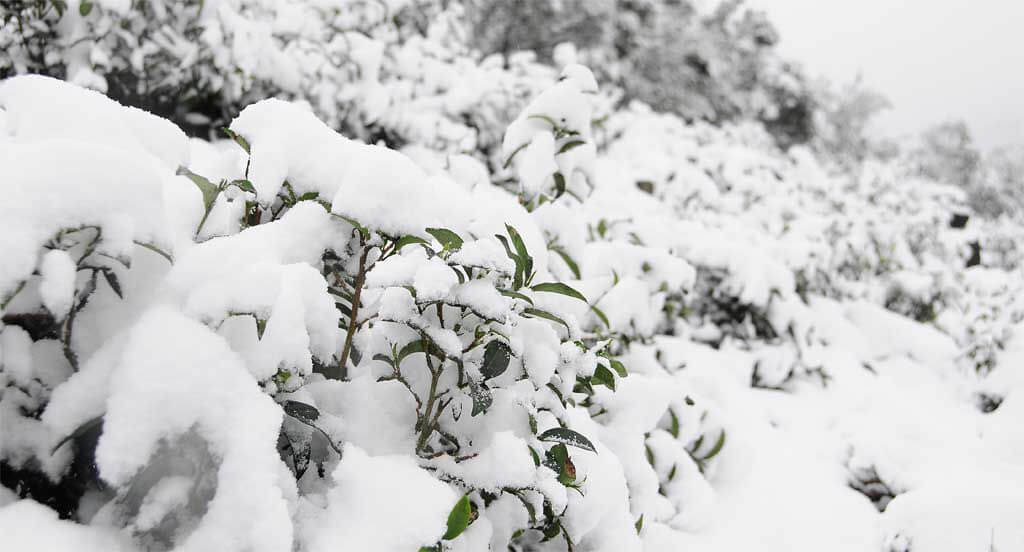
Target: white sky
934,59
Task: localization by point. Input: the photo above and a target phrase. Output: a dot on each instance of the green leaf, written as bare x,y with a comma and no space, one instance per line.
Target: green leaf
568,261
496,357
409,240
84,8
570,145
600,314
515,294
674,427
60,5
567,437
558,460
208,189
410,348
558,454
567,475
545,314
517,242
481,396
449,240
639,525
512,155
604,376
301,411
113,282
287,186
544,118
535,456
80,431
508,249
156,250
559,184
530,510
561,399
698,443
619,368
243,185
552,531
308,196
558,287
261,327
363,231
458,274
715,449
459,518
519,262
237,138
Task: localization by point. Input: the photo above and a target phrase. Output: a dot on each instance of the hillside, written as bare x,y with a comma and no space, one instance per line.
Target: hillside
413,297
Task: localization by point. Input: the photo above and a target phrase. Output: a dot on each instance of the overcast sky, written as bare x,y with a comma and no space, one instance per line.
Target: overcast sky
934,59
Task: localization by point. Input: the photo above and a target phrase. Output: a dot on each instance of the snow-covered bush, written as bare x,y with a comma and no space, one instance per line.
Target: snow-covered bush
427,301
385,311
396,71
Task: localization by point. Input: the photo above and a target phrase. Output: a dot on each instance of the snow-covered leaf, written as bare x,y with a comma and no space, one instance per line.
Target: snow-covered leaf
567,436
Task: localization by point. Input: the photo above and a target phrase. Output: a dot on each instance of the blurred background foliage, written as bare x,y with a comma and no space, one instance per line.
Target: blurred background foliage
715,62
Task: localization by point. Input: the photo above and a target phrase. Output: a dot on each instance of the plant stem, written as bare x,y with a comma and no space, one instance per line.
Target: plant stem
353,322
427,422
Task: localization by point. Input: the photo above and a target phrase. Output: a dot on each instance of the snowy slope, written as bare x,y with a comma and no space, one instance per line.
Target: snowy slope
632,335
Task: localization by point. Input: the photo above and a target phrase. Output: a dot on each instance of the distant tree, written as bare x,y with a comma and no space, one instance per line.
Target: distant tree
717,66
948,153
507,26
844,118
994,182
1001,186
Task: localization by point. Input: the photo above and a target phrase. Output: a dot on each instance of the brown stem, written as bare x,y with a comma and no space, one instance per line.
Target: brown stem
353,323
428,421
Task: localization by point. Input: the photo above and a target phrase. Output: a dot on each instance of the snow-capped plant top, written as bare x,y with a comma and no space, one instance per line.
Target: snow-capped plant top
440,331
551,143
118,190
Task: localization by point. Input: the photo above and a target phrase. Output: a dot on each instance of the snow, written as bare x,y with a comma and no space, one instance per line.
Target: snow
384,503
15,345
265,271
57,288
397,304
170,493
536,163
380,181
363,182
962,515
152,374
505,462
377,417
28,525
434,280
79,115
789,329
95,184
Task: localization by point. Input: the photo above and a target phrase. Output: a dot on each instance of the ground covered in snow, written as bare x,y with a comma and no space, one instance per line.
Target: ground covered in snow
592,328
